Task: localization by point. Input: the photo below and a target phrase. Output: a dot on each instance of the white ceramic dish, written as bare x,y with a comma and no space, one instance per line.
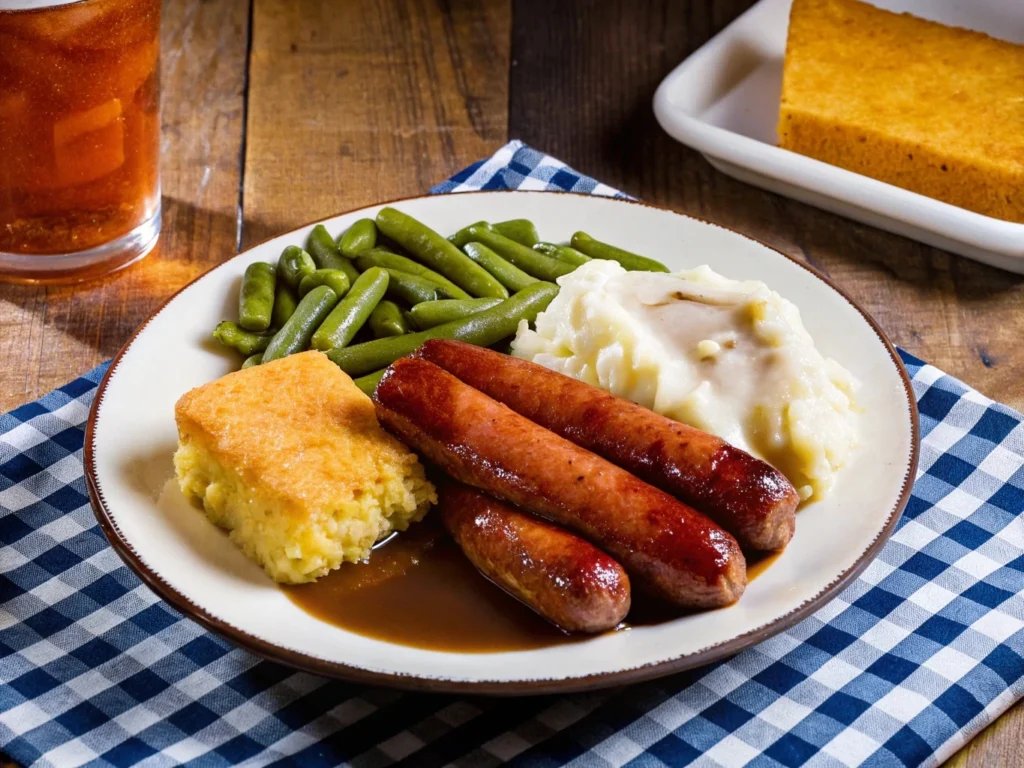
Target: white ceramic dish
131,436
724,102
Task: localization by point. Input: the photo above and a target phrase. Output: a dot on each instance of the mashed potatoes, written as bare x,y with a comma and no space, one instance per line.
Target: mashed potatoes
731,358
290,459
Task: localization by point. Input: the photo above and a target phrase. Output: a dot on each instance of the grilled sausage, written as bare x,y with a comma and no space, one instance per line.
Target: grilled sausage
748,497
665,546
568,581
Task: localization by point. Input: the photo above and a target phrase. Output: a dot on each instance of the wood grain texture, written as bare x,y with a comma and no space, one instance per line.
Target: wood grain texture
49,336
998,746
581,89
368,100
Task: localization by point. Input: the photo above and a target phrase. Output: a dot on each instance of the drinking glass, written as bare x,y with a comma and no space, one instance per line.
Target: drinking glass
79,137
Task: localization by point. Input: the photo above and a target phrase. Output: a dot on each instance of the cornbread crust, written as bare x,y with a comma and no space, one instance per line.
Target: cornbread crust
289,457
934,109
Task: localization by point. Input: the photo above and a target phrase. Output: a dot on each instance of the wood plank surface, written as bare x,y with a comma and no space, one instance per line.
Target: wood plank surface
368,100
581,88
50,335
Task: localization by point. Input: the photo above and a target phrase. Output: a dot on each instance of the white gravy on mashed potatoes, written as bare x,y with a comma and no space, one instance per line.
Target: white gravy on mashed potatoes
728,357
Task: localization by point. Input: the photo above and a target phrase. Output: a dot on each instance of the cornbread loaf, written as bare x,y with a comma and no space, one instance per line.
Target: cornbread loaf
934,109
289,458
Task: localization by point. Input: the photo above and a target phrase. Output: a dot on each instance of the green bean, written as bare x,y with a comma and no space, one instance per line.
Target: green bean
256,299
349,269
483,329
323,249
562,253
387,320
595,249
352,311
285,302
294,265
438,254
509,275
378,257
462,237
412,289
410,321
360,237
334,279
521,230
247,342
327,254
294,336
252,360
369,382
433,313
530,261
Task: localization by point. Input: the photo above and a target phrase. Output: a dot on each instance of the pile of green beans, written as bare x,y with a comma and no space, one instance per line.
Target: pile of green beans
367,301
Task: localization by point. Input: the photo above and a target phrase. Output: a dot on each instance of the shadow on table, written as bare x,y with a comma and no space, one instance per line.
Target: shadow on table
100,315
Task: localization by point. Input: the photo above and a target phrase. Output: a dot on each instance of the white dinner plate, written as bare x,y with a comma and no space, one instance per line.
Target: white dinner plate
131,436
723,101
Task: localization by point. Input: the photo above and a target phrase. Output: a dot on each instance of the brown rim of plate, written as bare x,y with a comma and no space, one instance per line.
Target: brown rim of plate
318,666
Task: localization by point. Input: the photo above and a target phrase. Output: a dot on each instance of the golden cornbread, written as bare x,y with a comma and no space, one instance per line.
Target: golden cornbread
290,459
934,109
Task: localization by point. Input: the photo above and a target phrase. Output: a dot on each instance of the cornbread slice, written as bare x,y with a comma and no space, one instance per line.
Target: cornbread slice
934,109
289,458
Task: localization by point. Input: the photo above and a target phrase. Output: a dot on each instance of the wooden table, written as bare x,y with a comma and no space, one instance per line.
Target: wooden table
276,113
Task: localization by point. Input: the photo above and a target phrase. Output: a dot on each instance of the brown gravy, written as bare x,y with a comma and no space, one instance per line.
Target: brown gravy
759,564
420,590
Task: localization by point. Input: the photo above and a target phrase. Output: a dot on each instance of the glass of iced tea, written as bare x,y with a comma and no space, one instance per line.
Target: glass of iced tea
79,137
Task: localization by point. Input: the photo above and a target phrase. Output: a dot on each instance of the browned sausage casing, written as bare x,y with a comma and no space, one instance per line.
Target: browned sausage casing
746,496
565,579
665,546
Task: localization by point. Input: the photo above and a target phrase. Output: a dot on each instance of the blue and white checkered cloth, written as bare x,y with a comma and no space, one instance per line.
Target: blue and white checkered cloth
911,661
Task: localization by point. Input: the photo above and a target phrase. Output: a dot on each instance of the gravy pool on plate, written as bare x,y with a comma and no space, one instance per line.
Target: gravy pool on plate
419,590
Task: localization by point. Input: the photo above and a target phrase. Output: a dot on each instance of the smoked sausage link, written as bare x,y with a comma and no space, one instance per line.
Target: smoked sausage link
565,579
665,546
746,496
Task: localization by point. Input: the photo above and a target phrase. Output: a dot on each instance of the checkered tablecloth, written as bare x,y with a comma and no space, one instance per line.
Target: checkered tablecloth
913,659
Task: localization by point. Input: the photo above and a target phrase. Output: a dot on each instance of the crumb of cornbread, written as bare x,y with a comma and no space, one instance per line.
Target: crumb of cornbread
290,459
934,109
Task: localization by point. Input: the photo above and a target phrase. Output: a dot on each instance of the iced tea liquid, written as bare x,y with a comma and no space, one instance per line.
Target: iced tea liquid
79,133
